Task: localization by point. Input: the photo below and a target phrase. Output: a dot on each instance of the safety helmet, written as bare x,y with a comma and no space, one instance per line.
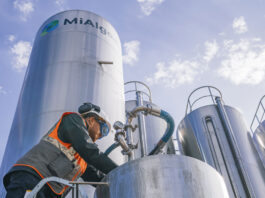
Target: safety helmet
91,110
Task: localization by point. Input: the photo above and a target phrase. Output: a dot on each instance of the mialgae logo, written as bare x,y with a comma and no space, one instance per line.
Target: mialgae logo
50,27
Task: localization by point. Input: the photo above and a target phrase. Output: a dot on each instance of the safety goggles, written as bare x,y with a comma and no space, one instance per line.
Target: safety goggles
104,128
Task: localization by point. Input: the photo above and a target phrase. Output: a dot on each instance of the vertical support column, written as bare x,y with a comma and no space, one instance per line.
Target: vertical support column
77,191
142,128
234,148
73,192
220,159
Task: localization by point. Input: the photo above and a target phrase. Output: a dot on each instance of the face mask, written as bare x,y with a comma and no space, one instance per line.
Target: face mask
104,129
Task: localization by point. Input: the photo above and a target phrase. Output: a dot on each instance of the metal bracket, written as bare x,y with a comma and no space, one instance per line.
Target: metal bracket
131,127
105,62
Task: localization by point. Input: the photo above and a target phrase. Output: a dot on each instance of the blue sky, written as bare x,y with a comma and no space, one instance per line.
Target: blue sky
174,46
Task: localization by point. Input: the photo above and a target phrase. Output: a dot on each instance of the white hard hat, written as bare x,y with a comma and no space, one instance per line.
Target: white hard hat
89,109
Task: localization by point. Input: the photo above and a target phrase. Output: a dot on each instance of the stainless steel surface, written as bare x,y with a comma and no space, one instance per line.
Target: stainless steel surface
163,176
141,125
120,138
259,141
146,109
259,115
64,72
234,148
257,127
155,128
202,135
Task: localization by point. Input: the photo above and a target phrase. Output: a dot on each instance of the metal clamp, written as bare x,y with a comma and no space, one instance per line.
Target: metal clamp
120,137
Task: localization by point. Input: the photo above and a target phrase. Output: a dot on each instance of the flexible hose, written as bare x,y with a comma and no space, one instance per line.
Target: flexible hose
168,133
111,148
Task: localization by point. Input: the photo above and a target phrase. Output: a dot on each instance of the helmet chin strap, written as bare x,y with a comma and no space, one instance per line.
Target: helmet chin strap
87,125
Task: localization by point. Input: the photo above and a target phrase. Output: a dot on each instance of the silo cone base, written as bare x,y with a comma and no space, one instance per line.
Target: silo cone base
163,176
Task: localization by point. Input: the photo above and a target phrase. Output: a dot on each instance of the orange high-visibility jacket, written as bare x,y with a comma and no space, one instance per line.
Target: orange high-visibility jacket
53,157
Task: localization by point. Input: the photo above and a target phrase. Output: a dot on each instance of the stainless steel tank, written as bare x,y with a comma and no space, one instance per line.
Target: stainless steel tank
257,127
76,57
259,141
148,129
217,134
163,176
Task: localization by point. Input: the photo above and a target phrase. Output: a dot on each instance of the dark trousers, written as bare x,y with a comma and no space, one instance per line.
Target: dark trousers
21,181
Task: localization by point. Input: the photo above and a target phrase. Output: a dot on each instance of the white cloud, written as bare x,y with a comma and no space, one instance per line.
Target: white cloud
239,25
243,62
25,7
2,91
148,6
211,49
131,52
60,4
176,73
21,52
11,38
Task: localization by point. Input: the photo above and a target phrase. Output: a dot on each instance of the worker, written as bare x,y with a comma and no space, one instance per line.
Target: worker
67,151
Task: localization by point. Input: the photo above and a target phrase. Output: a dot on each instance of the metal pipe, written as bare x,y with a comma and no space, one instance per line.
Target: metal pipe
89,183
142,127
147,109
77,190
121,139
111,148
234,148
226,172
130,140
159,113
39,186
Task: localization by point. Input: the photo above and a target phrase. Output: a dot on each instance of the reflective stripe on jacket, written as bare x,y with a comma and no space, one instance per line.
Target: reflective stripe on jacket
53,157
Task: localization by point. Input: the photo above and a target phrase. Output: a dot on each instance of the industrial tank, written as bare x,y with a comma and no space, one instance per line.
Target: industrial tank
76,58
217,134
257,128
148,128
163,176
157,174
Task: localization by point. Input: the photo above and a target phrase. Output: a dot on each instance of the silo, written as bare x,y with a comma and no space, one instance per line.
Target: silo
163,176
157,174
148,128
217,134
76,57
257,128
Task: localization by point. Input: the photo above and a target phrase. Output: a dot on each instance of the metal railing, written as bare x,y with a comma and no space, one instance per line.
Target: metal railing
74,185
256,116
137,88
190,103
